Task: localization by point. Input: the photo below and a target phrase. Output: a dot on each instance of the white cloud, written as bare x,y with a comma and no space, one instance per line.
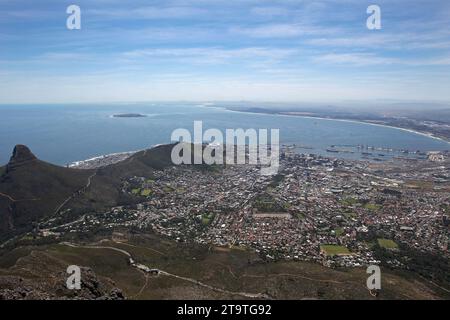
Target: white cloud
398,41
281,30
369,59
213,55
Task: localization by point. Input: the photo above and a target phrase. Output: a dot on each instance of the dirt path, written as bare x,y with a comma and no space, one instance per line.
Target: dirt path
434,284
134,246
96,247
8,196
295,276
143,287
75,194
197,282
165,273
15,200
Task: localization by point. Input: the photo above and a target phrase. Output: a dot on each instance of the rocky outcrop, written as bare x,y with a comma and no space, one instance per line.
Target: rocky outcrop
19,288
21,155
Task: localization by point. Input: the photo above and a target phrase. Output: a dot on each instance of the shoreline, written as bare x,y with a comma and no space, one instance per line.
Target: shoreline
99,161
425,134
81,163
105,159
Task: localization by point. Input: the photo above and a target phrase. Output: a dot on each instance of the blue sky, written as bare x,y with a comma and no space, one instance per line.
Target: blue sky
260,50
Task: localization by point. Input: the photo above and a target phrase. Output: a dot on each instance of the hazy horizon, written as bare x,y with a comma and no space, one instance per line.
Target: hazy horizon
354,105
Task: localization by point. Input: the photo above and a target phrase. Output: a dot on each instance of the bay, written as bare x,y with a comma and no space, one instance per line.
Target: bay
62,134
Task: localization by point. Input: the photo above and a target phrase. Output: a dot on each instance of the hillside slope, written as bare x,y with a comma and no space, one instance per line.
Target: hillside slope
31,189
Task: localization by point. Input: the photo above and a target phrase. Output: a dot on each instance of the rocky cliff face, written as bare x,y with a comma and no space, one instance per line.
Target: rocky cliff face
21,155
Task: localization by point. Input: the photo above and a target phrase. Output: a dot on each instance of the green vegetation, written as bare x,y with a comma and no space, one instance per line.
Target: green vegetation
349,215
235,247
233,269
168,189
27,238
387,244
207,218
333,250
266,203
276,180
371,244
300,215
372,206
349,201
216,167
446,209
10,258
213,168
136,191
146,192
338,232
425,264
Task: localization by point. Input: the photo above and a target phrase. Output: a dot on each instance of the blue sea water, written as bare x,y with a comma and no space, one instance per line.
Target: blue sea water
66,133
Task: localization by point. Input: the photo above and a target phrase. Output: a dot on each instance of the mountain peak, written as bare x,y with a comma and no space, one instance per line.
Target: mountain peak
20,155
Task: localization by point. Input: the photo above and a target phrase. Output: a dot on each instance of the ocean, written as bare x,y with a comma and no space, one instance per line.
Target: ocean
62,134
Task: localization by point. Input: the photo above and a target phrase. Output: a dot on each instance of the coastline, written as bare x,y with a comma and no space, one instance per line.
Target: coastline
105,159
102,160
120,156
425,134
